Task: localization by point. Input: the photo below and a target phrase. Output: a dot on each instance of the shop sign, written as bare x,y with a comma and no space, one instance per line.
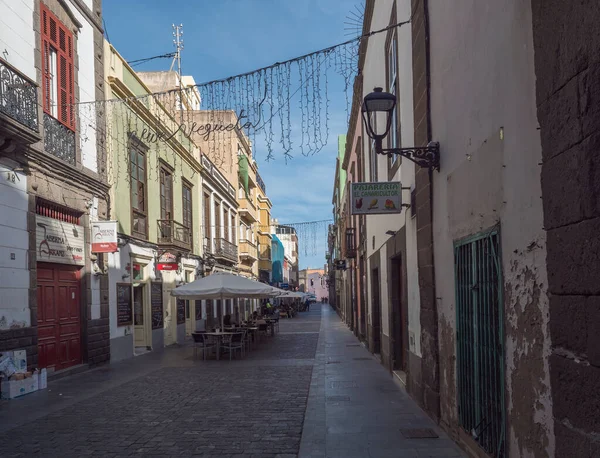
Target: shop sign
104,237
376,198
59,242
167,261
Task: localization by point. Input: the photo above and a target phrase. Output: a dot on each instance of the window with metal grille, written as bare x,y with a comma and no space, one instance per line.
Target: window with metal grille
480,340
56,211
58,86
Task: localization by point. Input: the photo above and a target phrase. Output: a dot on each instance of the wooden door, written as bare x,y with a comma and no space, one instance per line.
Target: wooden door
139,318
59,316
376,312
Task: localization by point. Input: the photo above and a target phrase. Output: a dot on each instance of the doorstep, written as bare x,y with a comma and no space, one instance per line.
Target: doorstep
57,375
400,379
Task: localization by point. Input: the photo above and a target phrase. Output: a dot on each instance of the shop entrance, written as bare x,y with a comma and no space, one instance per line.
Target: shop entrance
141,317
59,316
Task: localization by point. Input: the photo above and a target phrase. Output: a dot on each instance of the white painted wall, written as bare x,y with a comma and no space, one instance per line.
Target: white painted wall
17,38
484,116
14,241
377,225
87,92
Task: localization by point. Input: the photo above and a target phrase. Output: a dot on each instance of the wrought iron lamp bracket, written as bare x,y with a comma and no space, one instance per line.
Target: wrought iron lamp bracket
424,156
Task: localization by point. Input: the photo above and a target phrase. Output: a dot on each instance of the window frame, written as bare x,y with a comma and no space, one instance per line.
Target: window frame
61,82
135,145
167,199
394,137
186,185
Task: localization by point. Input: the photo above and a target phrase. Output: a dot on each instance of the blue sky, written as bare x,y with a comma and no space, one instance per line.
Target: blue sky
228,37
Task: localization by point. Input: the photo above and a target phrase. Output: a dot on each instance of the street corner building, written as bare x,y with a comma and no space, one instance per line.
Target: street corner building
53,183
477,294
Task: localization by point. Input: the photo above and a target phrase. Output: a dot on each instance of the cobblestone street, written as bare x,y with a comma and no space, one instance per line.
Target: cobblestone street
167,404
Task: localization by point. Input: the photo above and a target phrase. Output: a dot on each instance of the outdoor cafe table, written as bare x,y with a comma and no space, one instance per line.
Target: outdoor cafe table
219,335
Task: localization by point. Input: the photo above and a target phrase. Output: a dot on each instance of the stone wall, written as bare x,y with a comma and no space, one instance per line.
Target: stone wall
567,66
429,319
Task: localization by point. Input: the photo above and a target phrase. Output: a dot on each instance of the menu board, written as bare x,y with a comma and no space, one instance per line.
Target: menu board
198,310
124,309
156,302
180,311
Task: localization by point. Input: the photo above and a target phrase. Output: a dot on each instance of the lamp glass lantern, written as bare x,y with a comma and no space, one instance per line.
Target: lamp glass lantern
378,113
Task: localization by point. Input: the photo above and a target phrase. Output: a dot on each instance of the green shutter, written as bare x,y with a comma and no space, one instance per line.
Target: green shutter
480,340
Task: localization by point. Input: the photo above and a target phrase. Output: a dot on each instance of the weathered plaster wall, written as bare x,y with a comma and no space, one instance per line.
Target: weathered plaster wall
483,115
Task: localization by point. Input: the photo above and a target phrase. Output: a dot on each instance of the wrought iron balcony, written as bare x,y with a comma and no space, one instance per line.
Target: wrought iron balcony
224,249
350,243
208,246
59,140
18,97
261,184
174,234
248,250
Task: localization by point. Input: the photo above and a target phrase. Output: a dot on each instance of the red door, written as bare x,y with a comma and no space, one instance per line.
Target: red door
59,316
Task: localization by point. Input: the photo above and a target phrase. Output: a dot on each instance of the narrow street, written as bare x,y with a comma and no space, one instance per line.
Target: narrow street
311,390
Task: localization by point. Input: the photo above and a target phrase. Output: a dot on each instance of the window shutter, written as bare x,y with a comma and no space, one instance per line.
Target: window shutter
56,35
46,74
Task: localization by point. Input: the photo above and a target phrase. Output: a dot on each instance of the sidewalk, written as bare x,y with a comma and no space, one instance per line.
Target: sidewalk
356,410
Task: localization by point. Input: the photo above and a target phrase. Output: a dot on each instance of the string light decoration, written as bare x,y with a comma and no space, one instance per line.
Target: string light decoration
256,103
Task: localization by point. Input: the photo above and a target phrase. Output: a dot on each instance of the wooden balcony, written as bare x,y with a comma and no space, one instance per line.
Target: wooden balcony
172,234
248,250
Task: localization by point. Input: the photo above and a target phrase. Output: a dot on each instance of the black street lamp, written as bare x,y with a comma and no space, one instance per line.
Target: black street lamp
379,102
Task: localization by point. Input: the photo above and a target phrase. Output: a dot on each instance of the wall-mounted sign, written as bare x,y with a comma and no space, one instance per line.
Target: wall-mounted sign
156,302
104,237
124,309
376,198
59,242
167,261
180,311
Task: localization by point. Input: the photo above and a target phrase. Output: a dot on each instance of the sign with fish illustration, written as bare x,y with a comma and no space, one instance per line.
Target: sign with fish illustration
376,198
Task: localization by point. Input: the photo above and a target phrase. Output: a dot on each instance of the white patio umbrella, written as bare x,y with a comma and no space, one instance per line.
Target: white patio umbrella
221,286
292,294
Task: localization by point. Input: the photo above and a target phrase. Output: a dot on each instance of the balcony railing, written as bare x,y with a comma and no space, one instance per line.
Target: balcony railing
226,250
248,249
18,97
261,183
59,140
174,234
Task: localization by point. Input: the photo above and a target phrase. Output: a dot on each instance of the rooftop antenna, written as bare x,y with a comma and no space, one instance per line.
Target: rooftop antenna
178,42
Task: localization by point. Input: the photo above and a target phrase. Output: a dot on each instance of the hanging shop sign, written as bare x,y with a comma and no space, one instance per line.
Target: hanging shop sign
376,198
167,261
124,309
59,242
104,237
156,302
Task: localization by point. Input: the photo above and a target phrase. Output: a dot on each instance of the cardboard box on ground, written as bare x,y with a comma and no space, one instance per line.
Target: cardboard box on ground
15,379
